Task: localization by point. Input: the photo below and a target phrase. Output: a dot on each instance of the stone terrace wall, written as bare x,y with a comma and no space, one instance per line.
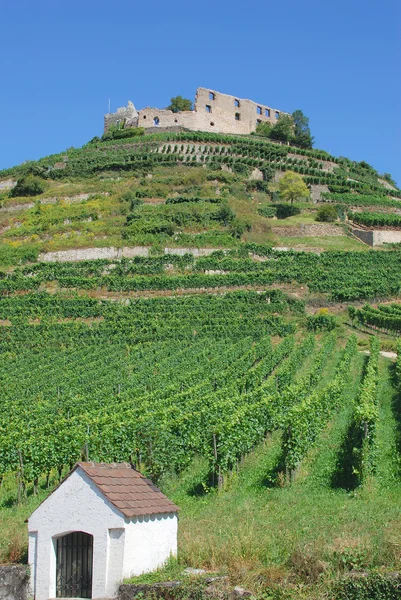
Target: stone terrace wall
14,581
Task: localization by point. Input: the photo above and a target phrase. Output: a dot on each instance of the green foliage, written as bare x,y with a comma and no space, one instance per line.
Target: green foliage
373,586
268,210
388,177
352,199
283,130
116,133
31,185
292,187
155,368
263,128
365,417
308,417
239,227
283,211
327,214
375,219
179,104
302,134
386,317
321,320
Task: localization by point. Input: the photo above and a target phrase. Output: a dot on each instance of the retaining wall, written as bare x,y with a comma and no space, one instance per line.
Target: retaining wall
14,581
377,237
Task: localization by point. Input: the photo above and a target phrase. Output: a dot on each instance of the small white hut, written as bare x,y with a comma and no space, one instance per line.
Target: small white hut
103,523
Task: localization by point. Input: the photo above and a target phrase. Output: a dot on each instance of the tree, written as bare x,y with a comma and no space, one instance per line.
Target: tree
283,130
264,128
292,187
29,186
302,134
179,104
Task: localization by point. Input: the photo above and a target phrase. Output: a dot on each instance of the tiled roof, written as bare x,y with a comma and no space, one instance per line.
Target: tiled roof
132,493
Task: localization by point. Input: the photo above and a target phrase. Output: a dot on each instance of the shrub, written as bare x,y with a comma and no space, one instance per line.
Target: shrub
374,586
327,214
30,185
286,210
225,214
115,133
321,321
238,228
267,211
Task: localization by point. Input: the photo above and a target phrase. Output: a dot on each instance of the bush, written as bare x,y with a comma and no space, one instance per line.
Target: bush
225,214
286,210
267,211
321,321
238,228
28,186
327,214
372,587
115,133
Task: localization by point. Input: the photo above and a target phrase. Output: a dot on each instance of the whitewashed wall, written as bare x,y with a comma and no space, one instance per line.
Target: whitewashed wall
150,540
77,505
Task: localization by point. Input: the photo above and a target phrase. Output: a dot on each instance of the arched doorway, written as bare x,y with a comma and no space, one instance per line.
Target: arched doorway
74,558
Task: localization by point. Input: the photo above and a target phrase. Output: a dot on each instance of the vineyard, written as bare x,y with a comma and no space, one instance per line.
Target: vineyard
341,276
386,317
214,347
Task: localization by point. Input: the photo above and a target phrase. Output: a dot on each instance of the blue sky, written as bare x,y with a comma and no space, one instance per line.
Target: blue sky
339,61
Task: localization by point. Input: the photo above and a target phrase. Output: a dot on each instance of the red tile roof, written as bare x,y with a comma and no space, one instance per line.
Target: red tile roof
132,493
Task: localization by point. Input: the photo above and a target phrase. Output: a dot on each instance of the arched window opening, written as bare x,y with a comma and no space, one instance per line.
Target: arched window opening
237,103
212,96
156,121
267,112
259,110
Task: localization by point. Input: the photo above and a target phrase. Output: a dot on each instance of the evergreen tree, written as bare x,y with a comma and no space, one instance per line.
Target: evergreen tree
302,134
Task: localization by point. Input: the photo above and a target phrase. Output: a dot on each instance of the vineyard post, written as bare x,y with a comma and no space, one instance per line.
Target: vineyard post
21,482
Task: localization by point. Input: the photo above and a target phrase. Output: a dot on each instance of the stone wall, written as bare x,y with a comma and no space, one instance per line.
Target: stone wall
378,237
14,581
112,253
213,111
125,115
93,254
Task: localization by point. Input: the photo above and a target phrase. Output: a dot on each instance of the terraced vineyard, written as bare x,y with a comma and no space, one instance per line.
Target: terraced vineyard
205,356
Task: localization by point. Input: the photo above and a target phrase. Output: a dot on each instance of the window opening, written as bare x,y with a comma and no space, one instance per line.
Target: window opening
258,121
236,103
156,121
208,108
259,110
144,116
237,117
267,112
277,114
212,96
211,123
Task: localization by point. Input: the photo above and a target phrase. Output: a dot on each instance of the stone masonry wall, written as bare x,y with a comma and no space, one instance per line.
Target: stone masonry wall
14,582
213,111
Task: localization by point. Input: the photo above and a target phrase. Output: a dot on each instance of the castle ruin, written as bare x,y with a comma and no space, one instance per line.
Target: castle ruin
213,111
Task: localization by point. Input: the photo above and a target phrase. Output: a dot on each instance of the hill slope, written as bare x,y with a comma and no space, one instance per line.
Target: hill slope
193,348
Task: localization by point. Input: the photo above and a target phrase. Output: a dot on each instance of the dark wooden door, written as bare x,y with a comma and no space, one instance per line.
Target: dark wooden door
74,565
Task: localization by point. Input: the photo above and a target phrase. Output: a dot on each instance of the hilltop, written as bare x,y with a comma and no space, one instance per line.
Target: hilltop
126,192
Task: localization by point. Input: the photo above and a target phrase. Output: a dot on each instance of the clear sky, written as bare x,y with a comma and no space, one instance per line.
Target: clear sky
337,60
